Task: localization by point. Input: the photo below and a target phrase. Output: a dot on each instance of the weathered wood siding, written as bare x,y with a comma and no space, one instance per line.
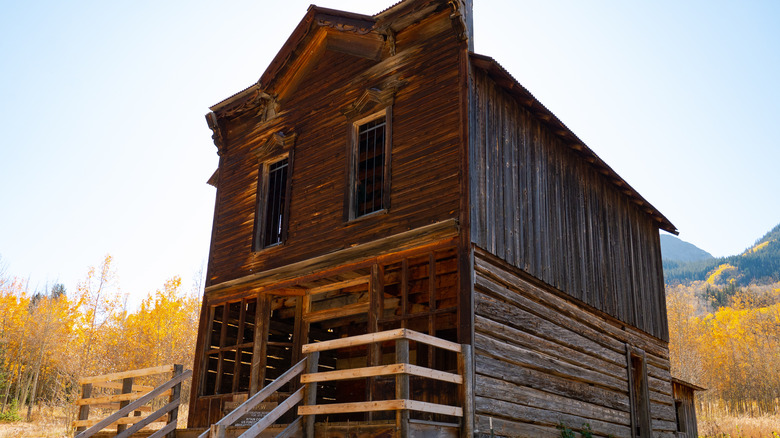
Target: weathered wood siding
542,359
544,209
424,165
686,410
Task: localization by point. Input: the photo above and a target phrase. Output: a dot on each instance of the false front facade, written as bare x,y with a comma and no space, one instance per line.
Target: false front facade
458,260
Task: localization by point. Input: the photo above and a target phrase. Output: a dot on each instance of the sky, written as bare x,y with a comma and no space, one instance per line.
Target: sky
106,150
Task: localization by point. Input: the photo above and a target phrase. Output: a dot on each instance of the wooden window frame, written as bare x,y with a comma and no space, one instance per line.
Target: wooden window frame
350,213
261,209
239,347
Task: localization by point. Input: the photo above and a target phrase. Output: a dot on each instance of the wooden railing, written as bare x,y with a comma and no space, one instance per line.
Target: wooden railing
218,429
402,369
131,398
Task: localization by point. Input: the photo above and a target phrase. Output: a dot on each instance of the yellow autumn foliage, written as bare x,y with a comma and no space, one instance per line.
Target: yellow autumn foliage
733,351
718,272
50,340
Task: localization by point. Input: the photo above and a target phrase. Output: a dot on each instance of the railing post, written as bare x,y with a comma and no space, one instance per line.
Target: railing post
402,388
466,369
310,395
86,392
217,431
175,394
127,388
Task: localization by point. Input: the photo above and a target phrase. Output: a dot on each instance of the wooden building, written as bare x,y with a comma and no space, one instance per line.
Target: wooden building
382,181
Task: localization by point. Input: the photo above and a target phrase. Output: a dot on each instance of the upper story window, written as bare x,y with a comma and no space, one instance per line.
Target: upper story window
370,165
271,217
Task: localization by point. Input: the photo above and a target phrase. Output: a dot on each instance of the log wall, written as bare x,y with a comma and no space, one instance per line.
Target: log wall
541,207
425,155
542,359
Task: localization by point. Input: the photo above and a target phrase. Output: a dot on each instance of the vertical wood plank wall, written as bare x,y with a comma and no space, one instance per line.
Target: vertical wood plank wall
541,359
541,208
685,395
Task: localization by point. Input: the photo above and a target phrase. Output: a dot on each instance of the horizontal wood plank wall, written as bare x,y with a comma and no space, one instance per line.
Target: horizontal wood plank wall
425,154
539,206
542,359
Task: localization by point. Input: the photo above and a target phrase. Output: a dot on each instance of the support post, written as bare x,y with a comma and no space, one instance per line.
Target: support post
86,392
310,394
127,388
217,431
466,369
173,415
402,388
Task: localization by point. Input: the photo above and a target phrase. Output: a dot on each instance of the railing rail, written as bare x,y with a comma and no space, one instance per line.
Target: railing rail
218,429
402,369
132,399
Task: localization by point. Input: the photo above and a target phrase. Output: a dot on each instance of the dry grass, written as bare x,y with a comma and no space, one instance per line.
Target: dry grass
47,422
53,422
740,427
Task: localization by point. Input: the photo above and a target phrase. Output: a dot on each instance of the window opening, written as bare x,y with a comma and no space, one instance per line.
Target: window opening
276,194
370,166
230,348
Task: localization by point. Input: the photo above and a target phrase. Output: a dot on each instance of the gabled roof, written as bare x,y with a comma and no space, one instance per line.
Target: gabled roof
530,103
376,27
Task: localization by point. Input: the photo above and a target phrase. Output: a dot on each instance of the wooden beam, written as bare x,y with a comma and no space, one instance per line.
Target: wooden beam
383,370
339,285
324,315
125,374
123,420
118,385
114,398
386,245
353,341
388,335
432,340
384,405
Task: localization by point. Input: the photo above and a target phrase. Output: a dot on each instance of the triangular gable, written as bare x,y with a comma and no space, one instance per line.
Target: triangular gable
347,32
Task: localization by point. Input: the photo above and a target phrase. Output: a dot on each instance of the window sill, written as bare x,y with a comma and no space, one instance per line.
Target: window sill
381,212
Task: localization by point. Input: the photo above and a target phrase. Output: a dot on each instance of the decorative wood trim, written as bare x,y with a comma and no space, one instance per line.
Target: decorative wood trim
216,125
278,143
380,96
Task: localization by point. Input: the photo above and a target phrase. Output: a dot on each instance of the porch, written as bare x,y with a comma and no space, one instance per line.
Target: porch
316,407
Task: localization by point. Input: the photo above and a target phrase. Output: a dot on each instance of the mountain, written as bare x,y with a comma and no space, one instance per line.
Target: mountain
673,248
759,264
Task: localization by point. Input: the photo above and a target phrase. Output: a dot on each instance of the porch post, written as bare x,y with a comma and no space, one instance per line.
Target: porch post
402,388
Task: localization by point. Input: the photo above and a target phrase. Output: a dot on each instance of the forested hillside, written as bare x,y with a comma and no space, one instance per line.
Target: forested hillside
724,324
759,264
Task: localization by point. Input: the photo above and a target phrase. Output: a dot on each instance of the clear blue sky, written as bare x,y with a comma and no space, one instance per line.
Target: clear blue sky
105,148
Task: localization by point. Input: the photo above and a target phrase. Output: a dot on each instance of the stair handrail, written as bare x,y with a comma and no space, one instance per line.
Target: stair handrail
217,430
137,404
